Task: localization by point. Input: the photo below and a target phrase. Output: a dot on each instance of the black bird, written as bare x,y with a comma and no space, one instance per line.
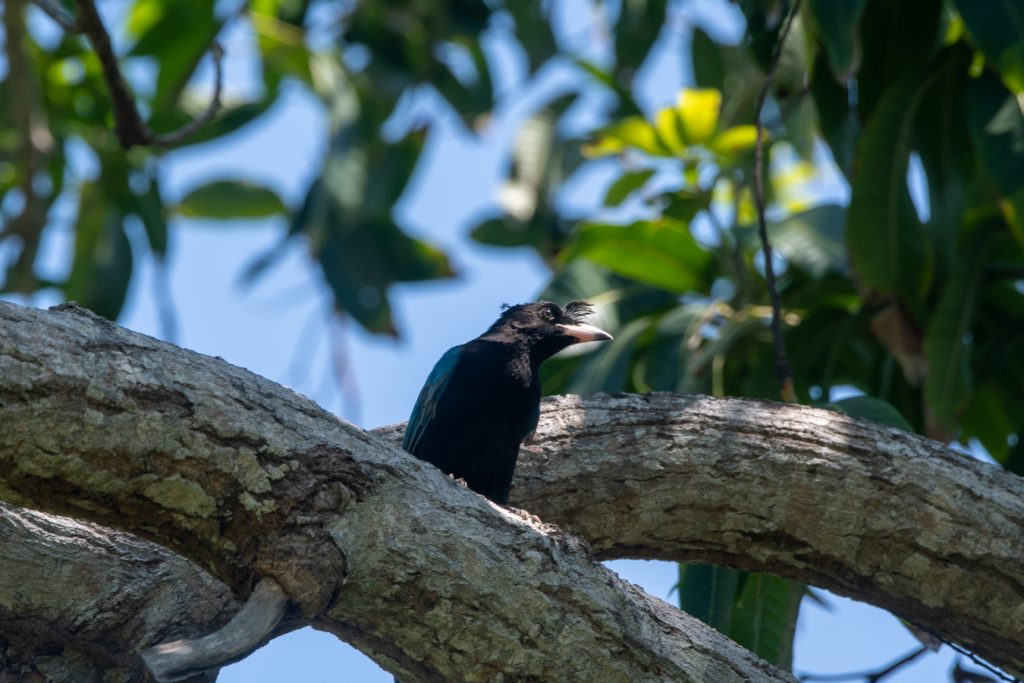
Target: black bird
482,399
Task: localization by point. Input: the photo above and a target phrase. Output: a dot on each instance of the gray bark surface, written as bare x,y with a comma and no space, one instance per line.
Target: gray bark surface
250,480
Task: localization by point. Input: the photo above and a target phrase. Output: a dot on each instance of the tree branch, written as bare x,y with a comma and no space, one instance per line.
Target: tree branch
250,480
247,477
129,127
76,600
783,369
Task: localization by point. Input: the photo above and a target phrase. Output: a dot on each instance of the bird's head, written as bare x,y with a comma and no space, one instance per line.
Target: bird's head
547,327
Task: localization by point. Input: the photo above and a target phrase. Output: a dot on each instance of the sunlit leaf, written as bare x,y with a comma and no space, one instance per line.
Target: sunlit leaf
632,131
660,253
698,114
667,125
733,141
231,199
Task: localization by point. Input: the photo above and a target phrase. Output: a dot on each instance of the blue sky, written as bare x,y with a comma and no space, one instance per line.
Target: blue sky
282,327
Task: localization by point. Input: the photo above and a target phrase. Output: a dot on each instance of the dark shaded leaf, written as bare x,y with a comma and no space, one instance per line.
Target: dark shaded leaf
898,38
708,593
883,233
838,22
997,27
837,119
946,346
625,185
997,133
102,264
813,240
764,617
943,144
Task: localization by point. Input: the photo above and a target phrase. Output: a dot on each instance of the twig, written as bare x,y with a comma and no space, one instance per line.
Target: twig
869,676
783,369
129,127
248,629
186,131
66,20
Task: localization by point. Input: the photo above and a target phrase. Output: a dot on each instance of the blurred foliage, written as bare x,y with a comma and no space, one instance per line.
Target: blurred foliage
907,297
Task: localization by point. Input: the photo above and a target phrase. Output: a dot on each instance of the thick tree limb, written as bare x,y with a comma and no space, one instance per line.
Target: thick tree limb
865,510
77,600
251,480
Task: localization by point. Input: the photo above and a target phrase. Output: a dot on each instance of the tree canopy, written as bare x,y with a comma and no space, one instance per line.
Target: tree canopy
894,190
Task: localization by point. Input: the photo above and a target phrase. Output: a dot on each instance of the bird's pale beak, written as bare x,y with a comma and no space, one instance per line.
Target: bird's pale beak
584,333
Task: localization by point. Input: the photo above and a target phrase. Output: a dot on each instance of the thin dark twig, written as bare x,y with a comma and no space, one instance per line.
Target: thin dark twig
189,129
66,20
783,369
869,676
129,127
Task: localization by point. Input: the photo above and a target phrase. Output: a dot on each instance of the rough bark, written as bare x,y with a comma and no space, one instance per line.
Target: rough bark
250,480
77,600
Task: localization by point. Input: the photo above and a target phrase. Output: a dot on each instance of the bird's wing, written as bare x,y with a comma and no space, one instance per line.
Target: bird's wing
426,405
534,419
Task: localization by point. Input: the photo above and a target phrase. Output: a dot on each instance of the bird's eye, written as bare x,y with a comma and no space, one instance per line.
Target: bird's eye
547,313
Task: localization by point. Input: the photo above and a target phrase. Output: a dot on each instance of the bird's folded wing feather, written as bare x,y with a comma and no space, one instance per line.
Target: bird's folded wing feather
430,395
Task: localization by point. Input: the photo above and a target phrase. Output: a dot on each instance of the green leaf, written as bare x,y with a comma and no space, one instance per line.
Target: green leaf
708,592
698,112
997,27
625,185
709,68
813,240
632,131
948,387
837,22
150,208
898,39
230,200
997,133
102,264
764,617
534,31
871,408
661,253
943,143
989,420
883,233
837,120
637,29
177,33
